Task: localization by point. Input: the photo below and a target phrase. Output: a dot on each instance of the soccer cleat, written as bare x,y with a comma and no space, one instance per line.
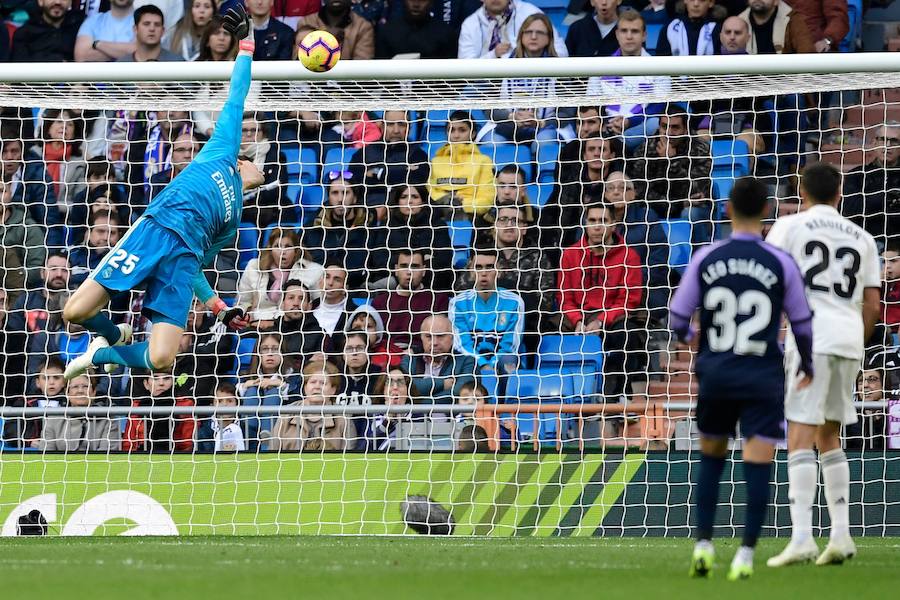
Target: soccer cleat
125,333
702,560
837,551
740,570
795,553
77,366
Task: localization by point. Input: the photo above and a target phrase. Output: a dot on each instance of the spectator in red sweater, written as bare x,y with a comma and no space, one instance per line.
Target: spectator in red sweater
890,313
600,288
409,303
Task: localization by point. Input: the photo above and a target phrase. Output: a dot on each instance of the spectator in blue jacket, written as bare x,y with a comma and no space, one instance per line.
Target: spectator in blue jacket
439,372
274,39
638,224
103,234
488,321
31,185
694,31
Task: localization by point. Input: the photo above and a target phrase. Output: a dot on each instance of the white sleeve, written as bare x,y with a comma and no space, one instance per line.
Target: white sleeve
871,275
469,40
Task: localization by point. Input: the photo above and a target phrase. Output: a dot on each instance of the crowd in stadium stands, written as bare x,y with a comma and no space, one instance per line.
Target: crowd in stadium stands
418,267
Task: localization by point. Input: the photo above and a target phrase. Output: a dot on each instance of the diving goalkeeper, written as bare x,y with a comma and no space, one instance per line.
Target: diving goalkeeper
164,252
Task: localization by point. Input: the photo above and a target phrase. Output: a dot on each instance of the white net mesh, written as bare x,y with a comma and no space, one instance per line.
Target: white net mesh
375,245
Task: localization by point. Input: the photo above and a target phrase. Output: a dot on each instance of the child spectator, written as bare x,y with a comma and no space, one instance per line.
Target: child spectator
315,432
154,433
595,33
461,176
228,434
472,439
356,128
600,285
891,302
473,393
269,383
438,372
81,434
488,320
26,432
263,280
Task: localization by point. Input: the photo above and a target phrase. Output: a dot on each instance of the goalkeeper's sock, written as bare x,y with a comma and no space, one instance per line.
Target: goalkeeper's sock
707,494
132,355
756,476
102,325
803,479
836,476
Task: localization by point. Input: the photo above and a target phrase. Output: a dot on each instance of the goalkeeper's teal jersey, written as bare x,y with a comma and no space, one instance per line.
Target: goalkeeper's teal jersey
202,205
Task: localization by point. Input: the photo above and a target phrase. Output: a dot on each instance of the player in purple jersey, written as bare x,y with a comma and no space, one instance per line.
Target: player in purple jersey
742,286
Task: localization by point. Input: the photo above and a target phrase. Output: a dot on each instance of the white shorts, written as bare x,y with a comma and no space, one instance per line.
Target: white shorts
829,397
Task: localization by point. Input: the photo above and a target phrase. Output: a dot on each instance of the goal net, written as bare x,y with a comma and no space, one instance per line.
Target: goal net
457,275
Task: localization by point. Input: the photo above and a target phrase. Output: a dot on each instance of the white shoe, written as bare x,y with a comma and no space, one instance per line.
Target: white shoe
125,333
795,553
77,366
837,551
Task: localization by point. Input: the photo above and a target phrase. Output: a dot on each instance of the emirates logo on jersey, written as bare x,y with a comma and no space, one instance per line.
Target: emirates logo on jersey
227,194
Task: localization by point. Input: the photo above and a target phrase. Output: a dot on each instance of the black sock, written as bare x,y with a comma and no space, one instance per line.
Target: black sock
706,494
757,476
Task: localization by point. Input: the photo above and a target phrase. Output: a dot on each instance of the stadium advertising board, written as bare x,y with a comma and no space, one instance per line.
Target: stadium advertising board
503,495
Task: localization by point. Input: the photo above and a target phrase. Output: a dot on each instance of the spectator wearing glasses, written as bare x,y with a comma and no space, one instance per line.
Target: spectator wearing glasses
872,191
524,124
492,30
870,431
341,228
488,320
362,382
509,182
382,432
269,382
48,36
267,204
438,371
263,281
416,31
368,320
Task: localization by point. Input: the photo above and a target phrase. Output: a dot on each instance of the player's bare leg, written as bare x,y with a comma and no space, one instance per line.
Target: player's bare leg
836,478
712,461
85,308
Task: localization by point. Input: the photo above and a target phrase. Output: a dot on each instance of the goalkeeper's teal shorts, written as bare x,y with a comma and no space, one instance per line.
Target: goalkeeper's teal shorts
152,258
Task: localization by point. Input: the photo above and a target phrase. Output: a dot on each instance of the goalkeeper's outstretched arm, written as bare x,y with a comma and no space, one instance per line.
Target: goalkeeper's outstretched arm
226,138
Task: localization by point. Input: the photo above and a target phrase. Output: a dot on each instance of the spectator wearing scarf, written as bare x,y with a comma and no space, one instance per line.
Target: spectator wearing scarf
491,30
694,32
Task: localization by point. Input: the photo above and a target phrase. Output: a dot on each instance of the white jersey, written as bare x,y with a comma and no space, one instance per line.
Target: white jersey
838,260
230,438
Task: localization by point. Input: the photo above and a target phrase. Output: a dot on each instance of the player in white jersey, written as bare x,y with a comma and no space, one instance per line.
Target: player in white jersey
840,266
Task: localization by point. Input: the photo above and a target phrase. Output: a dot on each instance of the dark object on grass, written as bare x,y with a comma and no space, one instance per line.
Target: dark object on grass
33,523
424,515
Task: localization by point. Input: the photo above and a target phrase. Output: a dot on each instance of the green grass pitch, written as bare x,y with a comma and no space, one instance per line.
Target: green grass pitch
364,568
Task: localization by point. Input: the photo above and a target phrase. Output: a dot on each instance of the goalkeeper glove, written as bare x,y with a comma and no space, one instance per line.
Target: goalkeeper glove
234,318
237,22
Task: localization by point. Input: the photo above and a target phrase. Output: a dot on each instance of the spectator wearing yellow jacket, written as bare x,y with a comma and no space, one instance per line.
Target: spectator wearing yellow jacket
461,176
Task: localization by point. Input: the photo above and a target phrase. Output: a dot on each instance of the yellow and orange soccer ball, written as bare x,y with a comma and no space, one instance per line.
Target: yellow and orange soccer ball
319,51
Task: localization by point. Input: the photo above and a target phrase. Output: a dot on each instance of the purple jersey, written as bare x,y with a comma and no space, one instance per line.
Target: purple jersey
742,286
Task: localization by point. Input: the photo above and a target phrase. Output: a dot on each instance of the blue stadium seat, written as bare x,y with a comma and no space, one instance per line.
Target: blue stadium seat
509,154
309,166
557,16
528,386
461,234
854,14
490,384
539,193
547,157
245,351
247,244
292,158
653,30
336,159
731,158
582,351
678,232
